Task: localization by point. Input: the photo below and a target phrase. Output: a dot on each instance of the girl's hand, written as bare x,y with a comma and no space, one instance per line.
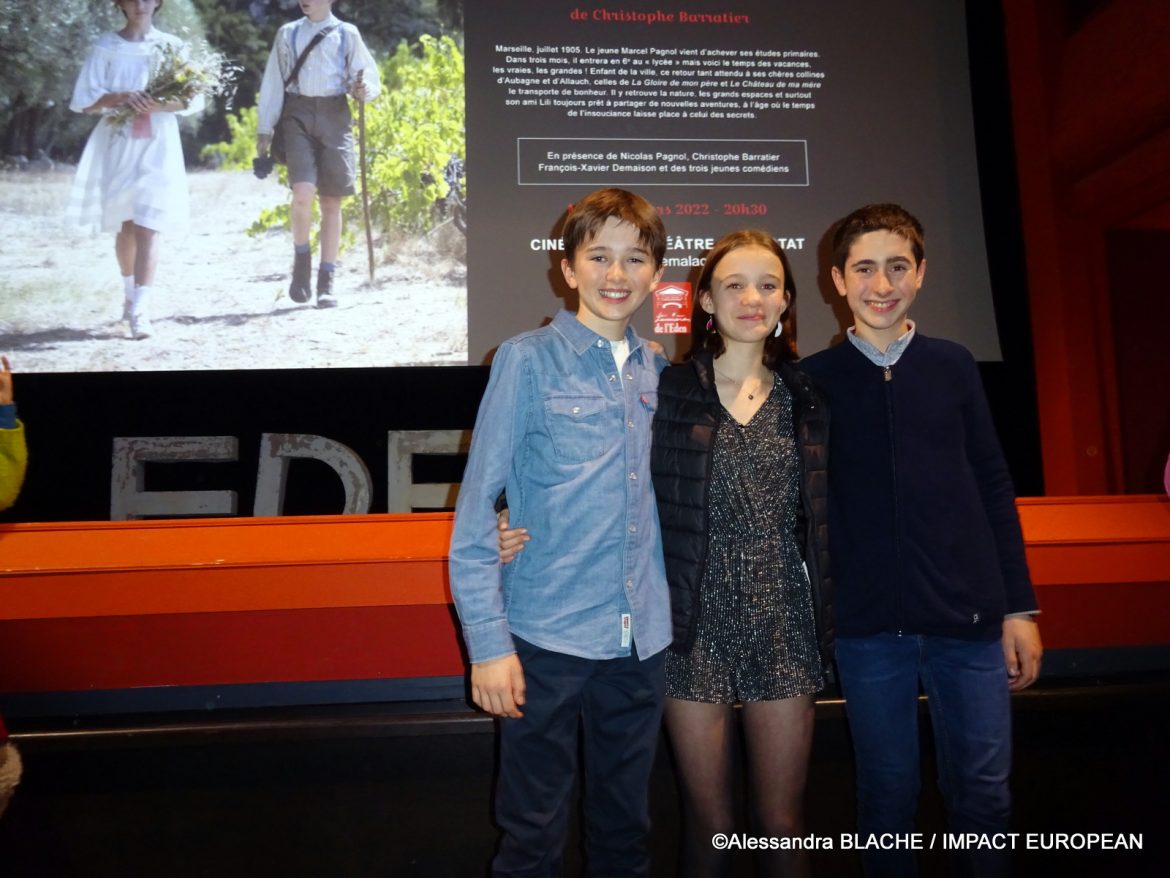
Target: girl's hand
141,102
111,100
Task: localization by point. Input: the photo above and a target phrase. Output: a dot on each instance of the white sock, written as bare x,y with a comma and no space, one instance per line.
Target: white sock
137,299
128,296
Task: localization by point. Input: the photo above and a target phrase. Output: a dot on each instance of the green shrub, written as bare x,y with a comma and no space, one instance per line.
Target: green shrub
237,152
412,130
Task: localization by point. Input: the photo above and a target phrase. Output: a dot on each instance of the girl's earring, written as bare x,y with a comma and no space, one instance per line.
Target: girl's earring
779,327
710,322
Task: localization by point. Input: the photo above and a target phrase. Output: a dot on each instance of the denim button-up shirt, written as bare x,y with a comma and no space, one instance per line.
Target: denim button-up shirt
568,437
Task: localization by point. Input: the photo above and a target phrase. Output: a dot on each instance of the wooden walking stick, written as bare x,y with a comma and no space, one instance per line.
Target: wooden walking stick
365,185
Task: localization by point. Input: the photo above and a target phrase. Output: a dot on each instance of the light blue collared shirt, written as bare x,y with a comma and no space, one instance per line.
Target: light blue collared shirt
568,437
891,355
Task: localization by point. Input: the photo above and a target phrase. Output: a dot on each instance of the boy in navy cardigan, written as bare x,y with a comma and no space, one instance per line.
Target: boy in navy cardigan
928,556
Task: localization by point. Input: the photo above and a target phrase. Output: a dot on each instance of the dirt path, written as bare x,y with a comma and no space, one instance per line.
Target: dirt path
220,300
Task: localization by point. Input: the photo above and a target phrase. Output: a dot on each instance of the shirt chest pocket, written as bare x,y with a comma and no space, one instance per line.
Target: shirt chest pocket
582,427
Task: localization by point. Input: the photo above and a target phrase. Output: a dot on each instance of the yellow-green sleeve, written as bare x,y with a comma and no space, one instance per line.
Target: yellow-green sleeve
13,461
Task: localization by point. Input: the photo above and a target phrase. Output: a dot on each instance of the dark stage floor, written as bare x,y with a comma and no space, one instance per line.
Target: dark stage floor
404,791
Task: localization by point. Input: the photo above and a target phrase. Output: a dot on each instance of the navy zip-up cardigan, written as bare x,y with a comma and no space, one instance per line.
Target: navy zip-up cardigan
680,461
925,538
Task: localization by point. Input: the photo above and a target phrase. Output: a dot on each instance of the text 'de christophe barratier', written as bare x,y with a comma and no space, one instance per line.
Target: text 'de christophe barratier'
625,82
547,161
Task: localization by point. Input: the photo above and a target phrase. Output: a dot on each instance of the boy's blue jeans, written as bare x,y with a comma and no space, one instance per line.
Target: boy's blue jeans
970,710
618,705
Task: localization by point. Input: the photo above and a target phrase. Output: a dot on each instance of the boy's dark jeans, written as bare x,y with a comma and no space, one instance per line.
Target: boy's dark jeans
970,709
619,705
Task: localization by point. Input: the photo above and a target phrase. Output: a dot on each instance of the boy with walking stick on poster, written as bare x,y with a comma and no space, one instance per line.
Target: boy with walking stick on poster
304,118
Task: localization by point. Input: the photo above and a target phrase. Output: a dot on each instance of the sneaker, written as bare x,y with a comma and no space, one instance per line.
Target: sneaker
140,327
326,298
127,309
301,289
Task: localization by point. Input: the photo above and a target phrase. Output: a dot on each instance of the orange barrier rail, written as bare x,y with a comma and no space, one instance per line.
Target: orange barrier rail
1101,566
115,605
110,605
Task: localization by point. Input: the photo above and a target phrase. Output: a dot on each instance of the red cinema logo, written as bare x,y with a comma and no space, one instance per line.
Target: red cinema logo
672,308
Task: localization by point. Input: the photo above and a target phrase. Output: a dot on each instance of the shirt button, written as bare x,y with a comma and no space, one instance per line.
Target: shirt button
612,378
576,409
630,424
629,377
633,528
633,477
629,583
600,343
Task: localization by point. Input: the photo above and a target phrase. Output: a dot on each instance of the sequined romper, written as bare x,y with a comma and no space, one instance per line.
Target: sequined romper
756,638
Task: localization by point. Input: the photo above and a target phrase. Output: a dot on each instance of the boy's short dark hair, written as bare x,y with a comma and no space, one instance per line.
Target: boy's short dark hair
775,349
877,218
590,214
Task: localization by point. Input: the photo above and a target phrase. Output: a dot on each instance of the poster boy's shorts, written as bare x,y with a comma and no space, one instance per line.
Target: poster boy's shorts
318,137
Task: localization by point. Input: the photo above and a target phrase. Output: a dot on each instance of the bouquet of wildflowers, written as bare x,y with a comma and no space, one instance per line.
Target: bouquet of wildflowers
181,75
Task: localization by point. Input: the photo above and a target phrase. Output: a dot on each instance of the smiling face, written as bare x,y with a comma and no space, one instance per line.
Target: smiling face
613,272
747,296
880,280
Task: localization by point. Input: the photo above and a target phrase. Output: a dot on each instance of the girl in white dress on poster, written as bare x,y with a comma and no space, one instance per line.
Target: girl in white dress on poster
131,179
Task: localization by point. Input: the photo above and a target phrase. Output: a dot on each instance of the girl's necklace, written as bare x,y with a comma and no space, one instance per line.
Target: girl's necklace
739,383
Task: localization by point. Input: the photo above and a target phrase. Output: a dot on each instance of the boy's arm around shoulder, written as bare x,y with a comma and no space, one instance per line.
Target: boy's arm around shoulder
475,570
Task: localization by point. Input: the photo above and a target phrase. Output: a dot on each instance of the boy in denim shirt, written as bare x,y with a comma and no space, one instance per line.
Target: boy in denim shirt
573,631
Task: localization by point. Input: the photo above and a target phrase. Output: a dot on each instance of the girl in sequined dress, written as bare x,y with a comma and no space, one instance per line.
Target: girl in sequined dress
739,472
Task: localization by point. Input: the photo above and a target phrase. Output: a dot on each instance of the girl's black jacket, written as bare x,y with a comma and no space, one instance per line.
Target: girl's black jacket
683,436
